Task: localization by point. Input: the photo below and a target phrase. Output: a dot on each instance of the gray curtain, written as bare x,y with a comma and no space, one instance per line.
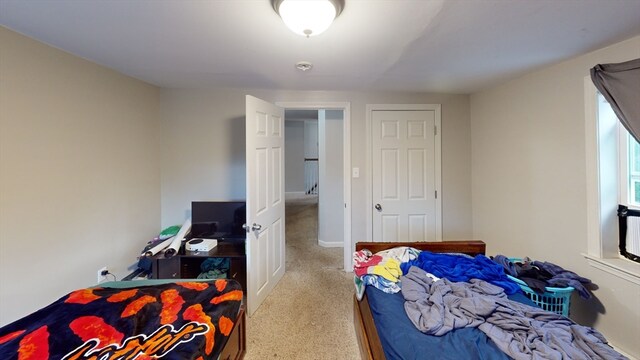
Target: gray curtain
620,85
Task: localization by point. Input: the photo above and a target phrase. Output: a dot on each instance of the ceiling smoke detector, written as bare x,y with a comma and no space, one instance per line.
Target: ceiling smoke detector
304,65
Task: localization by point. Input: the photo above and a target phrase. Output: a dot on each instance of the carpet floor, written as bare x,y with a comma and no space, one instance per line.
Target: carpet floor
309,314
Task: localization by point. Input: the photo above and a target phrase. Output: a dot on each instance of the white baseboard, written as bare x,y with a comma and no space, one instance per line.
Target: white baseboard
622,352
330,244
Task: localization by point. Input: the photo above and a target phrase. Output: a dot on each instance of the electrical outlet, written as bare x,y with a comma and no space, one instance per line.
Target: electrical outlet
102,277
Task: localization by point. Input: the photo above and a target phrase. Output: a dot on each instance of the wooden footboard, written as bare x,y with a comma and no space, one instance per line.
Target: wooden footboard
366,332
469,247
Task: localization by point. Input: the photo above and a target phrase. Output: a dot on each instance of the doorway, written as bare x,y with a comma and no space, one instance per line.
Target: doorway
333,120
301,152
314,172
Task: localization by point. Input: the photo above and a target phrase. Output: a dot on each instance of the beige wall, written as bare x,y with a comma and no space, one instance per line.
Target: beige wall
529,182
79,173
203,149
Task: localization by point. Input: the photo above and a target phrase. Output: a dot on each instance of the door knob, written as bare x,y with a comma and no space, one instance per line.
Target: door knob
378,207
254,227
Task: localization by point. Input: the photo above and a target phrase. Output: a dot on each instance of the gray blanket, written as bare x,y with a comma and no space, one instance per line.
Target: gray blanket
521,331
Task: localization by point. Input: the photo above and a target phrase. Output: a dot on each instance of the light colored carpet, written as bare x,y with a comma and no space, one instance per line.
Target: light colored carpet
309,315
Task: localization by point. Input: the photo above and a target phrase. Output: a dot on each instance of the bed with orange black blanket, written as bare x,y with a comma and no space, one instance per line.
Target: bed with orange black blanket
178,320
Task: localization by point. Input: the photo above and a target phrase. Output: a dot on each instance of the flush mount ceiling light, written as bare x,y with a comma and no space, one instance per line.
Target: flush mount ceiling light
308,17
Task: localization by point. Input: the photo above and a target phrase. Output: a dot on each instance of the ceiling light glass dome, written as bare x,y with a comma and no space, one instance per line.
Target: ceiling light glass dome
308,17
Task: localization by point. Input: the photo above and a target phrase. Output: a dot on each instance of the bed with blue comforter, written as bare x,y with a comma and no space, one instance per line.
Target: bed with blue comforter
466,311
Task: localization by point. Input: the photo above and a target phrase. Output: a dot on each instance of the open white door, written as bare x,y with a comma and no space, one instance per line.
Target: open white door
265,199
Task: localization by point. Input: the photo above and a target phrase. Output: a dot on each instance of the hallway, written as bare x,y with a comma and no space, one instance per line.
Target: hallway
309,315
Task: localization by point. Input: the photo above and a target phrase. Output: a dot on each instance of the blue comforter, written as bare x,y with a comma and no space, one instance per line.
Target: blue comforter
461,268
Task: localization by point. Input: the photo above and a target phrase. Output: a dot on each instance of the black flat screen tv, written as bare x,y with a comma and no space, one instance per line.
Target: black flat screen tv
218,219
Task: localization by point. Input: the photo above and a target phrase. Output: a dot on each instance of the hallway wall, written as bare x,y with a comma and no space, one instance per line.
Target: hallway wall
331,189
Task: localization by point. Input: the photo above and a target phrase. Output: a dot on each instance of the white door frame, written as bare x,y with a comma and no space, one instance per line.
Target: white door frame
438,159
346,161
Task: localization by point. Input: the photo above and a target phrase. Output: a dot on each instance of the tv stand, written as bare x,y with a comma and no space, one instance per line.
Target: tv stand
186,264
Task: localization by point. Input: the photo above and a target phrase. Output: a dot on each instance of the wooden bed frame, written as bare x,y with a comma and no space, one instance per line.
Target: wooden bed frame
368,340
236,345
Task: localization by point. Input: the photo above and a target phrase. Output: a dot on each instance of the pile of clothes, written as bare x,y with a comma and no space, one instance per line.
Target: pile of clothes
214,268
384,269
521,331
381,270
541,274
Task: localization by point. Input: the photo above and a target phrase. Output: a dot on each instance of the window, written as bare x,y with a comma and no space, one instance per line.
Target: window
628,156
612,174
629,184
633,166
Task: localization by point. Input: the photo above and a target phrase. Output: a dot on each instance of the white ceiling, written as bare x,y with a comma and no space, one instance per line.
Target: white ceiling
452,46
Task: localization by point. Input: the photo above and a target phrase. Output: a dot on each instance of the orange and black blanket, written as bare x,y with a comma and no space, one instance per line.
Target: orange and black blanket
181,320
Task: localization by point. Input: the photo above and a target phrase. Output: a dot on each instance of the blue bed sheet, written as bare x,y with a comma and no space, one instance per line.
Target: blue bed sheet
401,340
